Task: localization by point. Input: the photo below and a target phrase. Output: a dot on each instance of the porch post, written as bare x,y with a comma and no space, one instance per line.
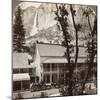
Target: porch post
57,72
42,72
50,73
21,85
18,70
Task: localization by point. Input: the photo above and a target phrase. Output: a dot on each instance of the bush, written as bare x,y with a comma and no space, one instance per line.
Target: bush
38,87
63,90
43,94
18,96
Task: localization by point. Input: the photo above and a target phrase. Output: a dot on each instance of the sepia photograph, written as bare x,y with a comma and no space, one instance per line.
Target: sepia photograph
54,49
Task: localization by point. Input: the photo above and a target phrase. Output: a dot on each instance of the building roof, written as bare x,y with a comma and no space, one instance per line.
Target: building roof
20,60
53,50
20,77
53,53
60,60
53,60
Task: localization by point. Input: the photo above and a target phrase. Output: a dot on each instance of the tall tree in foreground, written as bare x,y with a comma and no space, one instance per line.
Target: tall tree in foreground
77,28
18,32
62,18
91,42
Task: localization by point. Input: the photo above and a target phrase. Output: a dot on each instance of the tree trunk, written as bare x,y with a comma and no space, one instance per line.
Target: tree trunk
91,62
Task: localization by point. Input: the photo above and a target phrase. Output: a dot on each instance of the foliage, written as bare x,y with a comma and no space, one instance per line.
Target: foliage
40,86
18,31
18,96
62,18
43,94
91,42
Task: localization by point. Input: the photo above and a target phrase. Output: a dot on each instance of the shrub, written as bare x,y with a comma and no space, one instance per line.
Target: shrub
18,96
43,94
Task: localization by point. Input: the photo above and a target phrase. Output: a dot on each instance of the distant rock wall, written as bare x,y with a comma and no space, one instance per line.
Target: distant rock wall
46,24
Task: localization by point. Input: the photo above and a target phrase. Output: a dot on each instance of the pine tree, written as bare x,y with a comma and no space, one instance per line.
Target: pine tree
18,32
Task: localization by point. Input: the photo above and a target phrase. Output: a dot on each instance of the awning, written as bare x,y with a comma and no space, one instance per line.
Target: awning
53,60
25,67
20,77
62,60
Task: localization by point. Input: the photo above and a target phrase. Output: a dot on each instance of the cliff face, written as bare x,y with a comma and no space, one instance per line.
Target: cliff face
46,27
45,17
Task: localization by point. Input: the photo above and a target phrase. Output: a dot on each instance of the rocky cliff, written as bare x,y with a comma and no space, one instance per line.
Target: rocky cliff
46,27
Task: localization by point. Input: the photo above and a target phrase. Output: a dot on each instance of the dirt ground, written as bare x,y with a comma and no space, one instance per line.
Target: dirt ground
90,89
37,94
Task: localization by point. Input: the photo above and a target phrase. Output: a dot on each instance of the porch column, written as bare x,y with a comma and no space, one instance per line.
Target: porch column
50,73
42,75
18,70
57,72
21,85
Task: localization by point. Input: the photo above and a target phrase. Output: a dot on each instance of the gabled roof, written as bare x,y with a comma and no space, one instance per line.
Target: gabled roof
50,50
54,50
20,77
61,60
53,53
20,60
53,60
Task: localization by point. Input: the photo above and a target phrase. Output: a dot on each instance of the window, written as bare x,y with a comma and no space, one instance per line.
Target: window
15,71
25,85
54,78
46,67
46,78
54,67
23,70
16,85
30,70
61,78
61,67
21,85
33,79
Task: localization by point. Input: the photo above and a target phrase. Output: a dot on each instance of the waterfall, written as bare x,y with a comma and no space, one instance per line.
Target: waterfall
34,29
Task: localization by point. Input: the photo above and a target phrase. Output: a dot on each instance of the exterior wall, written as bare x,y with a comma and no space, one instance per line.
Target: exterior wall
21,85
51,73
31,71
57,76
20,70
